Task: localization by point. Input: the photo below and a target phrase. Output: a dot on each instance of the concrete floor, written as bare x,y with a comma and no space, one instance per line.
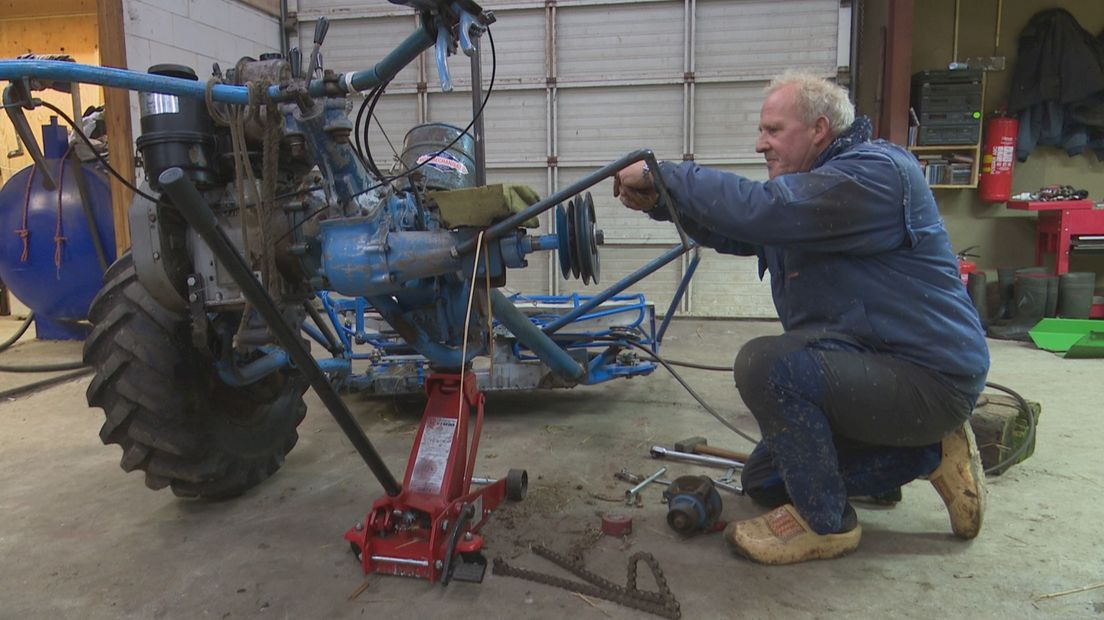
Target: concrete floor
79,538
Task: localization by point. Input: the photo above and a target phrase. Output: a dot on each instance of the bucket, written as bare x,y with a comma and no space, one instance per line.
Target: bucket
443,169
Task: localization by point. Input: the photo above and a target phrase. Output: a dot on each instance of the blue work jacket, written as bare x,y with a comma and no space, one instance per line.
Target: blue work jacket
855,246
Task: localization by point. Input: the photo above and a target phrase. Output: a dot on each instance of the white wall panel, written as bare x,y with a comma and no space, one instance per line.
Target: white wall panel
621,41
764,37
602,124
727,119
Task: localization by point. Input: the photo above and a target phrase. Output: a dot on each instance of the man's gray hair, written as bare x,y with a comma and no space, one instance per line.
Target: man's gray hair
816,97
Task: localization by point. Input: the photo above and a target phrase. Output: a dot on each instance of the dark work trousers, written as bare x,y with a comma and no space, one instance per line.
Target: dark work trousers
838,421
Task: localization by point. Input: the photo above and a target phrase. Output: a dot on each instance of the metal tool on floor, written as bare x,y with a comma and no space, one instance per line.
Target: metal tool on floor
662,603
700,445
693,505
632,495
659,452
720,483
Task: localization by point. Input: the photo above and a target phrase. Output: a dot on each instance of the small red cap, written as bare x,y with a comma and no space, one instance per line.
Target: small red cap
614,524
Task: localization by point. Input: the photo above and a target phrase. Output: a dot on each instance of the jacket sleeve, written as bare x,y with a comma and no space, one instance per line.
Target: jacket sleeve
704,236
853,204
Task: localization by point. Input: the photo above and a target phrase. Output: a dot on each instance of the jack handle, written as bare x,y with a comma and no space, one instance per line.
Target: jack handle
17,97
466,514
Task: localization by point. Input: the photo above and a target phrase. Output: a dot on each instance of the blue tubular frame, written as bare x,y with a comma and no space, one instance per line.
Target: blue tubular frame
602,367
61,71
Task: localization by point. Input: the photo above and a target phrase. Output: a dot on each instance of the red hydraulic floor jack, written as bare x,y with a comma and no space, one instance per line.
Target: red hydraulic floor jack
430,529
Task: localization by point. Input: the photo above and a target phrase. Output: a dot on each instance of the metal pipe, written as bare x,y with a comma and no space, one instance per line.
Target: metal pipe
283,28
418,41
683,285
558,360
477,129
621,285
407,51
193,207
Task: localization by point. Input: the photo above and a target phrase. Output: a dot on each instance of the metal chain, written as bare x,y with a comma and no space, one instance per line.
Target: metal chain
661,604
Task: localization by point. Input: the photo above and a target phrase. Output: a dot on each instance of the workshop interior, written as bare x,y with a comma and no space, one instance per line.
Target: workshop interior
343,289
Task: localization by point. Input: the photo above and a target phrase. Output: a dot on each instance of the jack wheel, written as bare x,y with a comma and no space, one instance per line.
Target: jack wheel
517,485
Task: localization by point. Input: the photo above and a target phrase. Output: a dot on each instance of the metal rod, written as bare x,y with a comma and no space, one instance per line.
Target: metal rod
631,494
193,207
384,558
477,129
683,285
621,285
954,45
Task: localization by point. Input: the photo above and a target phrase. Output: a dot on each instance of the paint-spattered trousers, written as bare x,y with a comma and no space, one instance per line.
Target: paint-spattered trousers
839,421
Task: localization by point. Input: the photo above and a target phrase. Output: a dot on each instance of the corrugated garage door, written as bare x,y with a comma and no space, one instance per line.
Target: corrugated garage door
579,83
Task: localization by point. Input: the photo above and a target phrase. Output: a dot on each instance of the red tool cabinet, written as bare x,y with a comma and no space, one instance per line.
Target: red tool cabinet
1060,223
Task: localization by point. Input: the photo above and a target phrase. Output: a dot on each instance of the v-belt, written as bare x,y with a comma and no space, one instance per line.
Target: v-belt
662,603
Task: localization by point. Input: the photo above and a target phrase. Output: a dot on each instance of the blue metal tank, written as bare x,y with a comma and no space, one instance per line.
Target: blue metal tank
47,255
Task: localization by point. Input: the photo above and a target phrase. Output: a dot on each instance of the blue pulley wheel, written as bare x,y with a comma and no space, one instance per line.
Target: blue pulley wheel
561,234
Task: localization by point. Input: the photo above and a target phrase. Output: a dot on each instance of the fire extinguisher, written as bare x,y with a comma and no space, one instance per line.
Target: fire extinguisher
965,265
997,158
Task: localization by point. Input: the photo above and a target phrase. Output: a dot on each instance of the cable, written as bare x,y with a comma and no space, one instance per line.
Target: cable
43,367
80,132
372,100
701,401
35,385
479,113
699,366
1028,439
34,368
18,333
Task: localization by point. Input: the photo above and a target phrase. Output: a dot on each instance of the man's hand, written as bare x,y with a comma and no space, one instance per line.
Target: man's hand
635,190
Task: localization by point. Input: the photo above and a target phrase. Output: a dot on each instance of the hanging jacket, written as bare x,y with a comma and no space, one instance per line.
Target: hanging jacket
1057,89
854,246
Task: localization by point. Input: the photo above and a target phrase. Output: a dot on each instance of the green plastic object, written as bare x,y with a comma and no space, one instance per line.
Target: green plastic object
1073,338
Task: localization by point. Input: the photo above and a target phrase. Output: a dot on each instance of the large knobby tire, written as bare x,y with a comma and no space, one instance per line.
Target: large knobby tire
166,407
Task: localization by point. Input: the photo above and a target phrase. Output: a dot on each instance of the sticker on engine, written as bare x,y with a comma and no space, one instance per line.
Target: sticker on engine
433,454
158,103
443,162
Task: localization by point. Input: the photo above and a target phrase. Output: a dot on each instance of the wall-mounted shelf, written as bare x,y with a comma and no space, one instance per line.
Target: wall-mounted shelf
957,165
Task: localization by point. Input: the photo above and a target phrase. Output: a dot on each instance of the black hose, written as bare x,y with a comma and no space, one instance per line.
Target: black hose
18,333
37,385
33,367
701,401
43,367
1026,409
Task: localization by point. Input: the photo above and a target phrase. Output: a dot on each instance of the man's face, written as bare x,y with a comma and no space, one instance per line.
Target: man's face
787,143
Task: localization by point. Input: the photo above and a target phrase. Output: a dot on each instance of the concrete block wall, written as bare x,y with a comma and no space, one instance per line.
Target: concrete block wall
196,33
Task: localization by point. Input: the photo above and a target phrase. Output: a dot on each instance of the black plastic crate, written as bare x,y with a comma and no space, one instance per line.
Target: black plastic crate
952,117
947,102
948,134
